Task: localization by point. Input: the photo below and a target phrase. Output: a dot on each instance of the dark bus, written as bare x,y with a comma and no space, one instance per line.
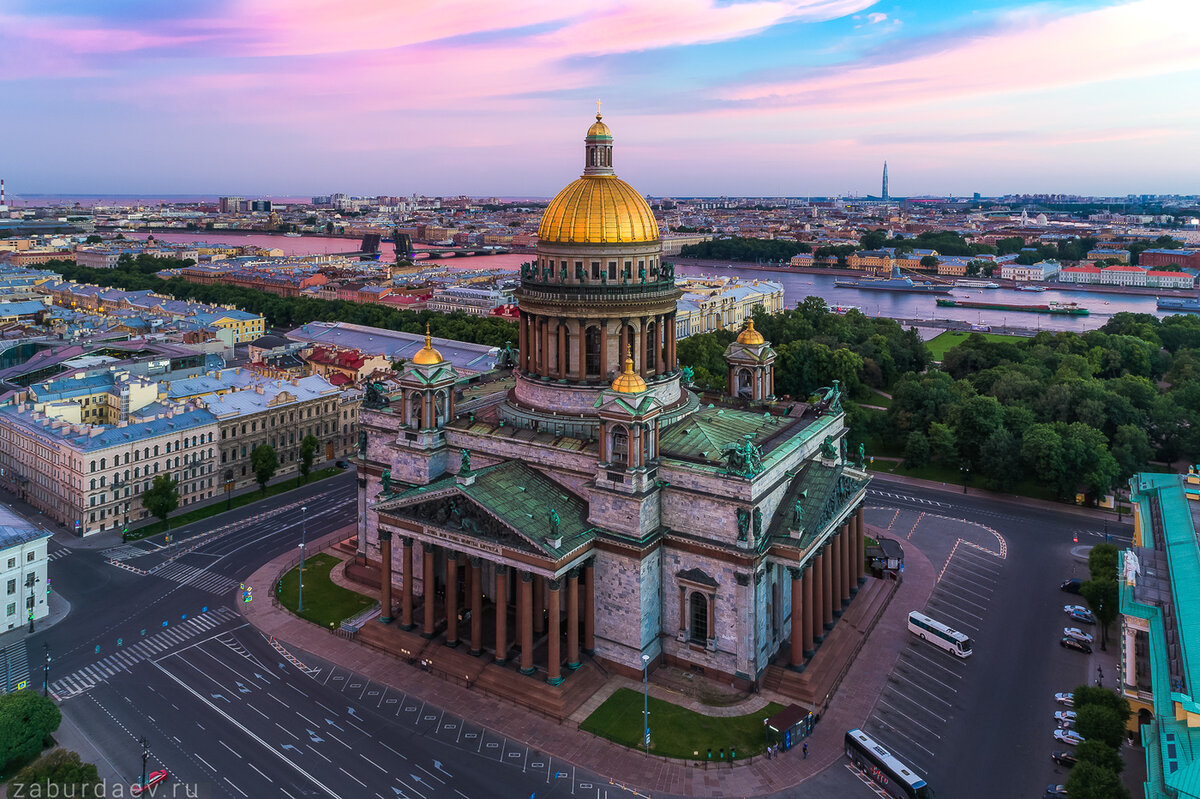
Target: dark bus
877,763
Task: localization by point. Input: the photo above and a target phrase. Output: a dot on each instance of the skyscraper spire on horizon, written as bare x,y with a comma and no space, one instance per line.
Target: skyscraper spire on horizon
885,186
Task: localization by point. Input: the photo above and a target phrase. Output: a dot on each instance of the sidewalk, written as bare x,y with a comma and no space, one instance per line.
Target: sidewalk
59,608
850,707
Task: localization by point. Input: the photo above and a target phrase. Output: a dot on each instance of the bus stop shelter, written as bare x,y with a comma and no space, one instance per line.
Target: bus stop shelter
790,725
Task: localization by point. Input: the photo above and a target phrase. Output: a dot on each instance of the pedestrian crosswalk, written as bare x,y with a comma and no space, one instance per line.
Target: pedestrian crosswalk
143,649
15,667
197,578
58,553
124,552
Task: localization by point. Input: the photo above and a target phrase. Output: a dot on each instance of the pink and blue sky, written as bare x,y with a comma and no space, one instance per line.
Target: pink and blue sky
705,97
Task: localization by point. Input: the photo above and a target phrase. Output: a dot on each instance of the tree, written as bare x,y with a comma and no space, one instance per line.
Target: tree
1086,695
60,768
975,421
1100,754
162,497
1000,460
1099,723
264,462
942,444
1104,598
1089,781
1103,561
916,450
1131,449
93,239
26,721
1042,452
929,262
308,448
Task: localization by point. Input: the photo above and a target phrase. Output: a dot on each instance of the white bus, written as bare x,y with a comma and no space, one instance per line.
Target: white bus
939,634
881,766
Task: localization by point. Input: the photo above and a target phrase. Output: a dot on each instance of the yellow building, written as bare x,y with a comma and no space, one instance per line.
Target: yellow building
870,261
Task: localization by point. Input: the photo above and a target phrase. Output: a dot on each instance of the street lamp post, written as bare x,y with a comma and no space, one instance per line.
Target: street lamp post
31,602
966,473
46,672
303,542
228,489
646,701
145,757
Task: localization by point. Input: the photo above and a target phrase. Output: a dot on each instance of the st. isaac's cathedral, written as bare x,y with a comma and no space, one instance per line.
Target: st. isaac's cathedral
598,508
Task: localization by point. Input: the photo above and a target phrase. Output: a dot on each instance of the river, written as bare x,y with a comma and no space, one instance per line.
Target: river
796,286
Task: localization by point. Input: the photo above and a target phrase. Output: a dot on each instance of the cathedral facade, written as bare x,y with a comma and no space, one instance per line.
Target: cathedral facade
598,508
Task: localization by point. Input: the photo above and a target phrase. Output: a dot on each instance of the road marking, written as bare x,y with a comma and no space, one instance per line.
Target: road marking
318,754
205,762
285,729
924,689
351,776
239,790
264,776
372,762
227,746
912,651
390,749
204,700
900,712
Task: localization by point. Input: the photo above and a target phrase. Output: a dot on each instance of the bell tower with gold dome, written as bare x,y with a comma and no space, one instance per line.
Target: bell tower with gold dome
597,290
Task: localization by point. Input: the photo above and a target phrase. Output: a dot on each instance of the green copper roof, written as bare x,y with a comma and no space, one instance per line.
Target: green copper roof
521,497
823,491
703,435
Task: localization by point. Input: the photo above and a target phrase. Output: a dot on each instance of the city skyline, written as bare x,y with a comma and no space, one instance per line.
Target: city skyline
807,97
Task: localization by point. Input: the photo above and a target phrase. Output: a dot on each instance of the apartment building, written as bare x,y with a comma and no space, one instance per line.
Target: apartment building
22,570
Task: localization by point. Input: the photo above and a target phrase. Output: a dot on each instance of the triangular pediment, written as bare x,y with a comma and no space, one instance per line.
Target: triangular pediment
509,505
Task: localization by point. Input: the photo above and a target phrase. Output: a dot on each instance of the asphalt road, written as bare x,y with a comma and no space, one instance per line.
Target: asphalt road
982,726
154,646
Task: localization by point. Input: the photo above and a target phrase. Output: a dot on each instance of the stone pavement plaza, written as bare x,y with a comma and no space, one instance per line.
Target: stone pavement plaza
652,775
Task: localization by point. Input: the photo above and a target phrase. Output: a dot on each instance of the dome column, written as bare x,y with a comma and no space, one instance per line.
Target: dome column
603,349
562,349
522,344
642,346
581,347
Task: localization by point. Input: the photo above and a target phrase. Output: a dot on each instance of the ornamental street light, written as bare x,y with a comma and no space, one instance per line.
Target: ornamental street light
46,672
646,700
303,542
145,757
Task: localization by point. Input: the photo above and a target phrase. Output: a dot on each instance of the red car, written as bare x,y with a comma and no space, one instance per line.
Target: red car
154,778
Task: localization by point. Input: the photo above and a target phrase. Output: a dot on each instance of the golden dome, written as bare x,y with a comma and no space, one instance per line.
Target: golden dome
629,381
427,355
750,336
598,209
599,129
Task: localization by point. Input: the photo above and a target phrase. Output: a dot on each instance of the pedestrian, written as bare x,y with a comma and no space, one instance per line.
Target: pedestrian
804,749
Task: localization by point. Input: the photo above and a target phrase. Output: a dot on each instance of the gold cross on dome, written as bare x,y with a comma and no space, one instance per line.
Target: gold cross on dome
597,108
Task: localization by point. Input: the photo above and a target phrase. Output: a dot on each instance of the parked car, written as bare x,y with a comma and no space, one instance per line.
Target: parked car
1079,613
152,779
1055,790
1064,758
1071,586
1068,716
1068,737
1067,699
1078,646
1077,634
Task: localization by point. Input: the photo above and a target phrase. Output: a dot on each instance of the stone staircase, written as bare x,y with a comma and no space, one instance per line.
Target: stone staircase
816,685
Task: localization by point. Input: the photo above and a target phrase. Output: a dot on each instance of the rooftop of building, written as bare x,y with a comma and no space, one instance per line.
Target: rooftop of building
268,393
396,345
16,530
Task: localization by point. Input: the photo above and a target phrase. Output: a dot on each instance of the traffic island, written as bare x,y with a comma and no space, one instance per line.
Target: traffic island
325,603
678,732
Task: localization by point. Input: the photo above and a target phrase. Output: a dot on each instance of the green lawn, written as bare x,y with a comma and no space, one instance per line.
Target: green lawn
219,507
938,346
875,398
324,600
676,731
952,476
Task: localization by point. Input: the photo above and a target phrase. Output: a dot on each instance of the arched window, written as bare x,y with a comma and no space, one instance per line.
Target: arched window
620,446
744,383
651,346
698,613
592,350
102,463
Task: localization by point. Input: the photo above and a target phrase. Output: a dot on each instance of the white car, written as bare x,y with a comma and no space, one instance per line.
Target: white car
1069,737
1065,716
1067,699
1077,634
1079,613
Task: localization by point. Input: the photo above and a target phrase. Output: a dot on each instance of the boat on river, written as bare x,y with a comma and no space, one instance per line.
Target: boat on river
1031,288
1181,304
897,282
975,284
1060,308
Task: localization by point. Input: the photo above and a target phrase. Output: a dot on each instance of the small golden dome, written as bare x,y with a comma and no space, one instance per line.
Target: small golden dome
750,336
629,381
598,209
427,355
599,130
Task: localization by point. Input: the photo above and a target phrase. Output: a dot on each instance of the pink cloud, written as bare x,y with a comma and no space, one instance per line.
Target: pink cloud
1030,53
